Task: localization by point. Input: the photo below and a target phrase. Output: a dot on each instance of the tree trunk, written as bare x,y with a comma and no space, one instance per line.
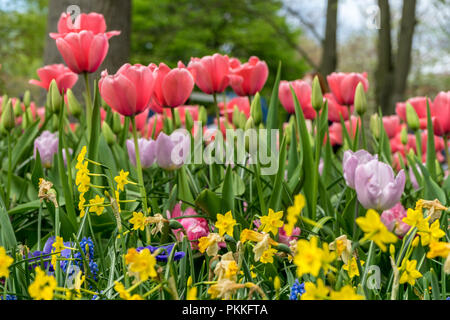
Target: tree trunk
329,49
117,14
405,39
385,69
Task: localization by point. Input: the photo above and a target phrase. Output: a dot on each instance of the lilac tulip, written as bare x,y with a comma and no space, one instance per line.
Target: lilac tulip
377,187
147,152
172,151
47,145
351,161
392,219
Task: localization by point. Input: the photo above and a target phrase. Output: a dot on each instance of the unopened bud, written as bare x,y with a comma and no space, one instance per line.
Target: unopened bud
392,250
27,99
8,116
404,136
250,124
202,115
17,108
412,119
375,125
415,242
316,96
74,106
116,125
176,115
236,116
55,97
277,283
255,109
360,99
108,134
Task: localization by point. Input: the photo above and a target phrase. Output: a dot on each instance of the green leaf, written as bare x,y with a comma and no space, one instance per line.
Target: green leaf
432,190
431,151
272,115
275,198
209,202
38,172
25,141
184,193
7,236
227,203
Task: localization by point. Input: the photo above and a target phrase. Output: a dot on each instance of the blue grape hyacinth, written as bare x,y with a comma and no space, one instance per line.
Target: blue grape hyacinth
297,290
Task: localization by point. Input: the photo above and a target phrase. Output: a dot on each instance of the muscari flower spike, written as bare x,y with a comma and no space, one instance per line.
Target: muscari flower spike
297,290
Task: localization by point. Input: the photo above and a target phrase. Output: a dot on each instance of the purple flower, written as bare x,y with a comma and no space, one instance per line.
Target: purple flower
351,161
172,151
147,152
377,187
47,145
45,254
392,219
164,254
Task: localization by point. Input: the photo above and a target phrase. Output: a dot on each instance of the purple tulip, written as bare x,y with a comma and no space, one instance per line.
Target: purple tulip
351,161
47,145
392,219
147,151
377,187
172,151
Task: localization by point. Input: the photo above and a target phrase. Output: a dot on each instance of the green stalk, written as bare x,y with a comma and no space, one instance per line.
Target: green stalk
363,133
447,155
216,105
140,176
8,186
316,169
418,144
89,103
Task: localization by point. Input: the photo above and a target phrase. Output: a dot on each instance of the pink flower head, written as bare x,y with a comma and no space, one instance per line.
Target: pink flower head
392,125
392,219
336,133
335,110
242,103
172,87
441,111
248,78
127,92
94,22
211,72
64,77
343,86
195,227
303,92
420,106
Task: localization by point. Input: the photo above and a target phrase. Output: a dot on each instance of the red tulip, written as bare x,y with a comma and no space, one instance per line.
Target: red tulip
127,92
343,86
335,110
303,92
83,51
93,21
172,87
242,104
420,105
65,79
441,112
391,125
248,78
210,73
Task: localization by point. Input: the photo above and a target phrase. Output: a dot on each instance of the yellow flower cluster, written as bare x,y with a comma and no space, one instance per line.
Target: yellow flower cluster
293,213
225,223
141,264
5,262
124,293
321,292
272,222
375,230
210,244
82,179
262,246
43,286
311,259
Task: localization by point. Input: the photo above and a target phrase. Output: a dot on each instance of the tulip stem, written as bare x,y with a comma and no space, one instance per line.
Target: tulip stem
89,102
447,154
140,176
217,111
8,186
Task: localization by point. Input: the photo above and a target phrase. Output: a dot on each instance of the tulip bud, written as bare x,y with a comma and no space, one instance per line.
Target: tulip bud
360,99
412,119
55,97
283,248
375,125
316,96
415,242
167,127
202,115
175,224
288,134
55,123
189,122
17,108
176,115
108,134
28,116
116,124
8,117
404,136
27,99
255,109
74,105
242,120
250,124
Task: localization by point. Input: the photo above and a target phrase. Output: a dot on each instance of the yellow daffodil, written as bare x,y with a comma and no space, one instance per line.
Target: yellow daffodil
352,268
308,258
346,293
121,180
267,256
272,222
315,292
226,267
124,294
343,248
138,221
96,205
415,218
58,246
192,294
225,223
438,249
434,208
141,264
5,262
210,244
431,233
43,286
224,289
375,230
410,274
293,213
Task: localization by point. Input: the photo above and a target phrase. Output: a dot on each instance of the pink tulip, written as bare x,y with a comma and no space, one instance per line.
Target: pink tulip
392,219
172,87
391,125
242,103
157,128
441,111
343,86
83,51
64,77
336,133
420,106
303,92
248,78
127,92
195,227
94,22
336,110
210,73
